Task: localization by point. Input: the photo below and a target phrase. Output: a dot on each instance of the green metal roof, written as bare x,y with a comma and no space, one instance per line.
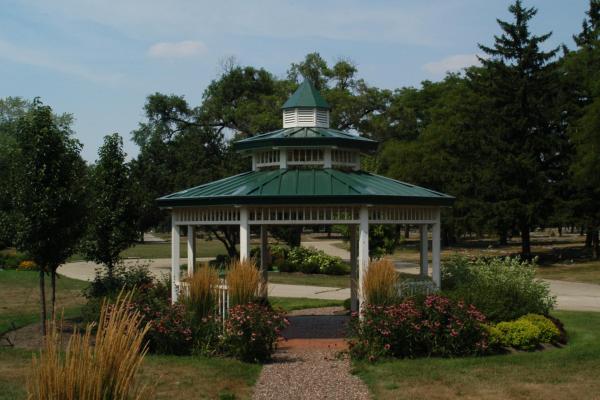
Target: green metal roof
305,186
299,136
306,95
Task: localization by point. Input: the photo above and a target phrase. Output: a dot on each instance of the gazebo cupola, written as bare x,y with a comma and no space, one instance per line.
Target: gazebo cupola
306,107
306,140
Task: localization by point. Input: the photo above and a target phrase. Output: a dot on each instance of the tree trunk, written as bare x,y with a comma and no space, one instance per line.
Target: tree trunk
596,244
525,242
588,237
53,282
406,231
560,231
43,301
503,238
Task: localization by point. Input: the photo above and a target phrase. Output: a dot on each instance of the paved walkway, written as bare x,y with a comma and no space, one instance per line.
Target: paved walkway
307,364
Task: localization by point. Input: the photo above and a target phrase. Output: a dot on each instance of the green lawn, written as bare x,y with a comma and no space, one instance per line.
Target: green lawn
205,248
588,272
296,278
567,373
170,376
19,297
294,303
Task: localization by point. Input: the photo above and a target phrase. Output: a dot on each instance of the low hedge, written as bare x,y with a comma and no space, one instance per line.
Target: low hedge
526,333
308,261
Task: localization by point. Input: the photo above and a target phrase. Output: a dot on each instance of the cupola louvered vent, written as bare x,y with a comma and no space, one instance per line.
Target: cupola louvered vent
305,117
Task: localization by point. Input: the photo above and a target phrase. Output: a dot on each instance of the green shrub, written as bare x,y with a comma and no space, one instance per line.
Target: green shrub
11,260
503,289
311,261
549,333
286,266
520,334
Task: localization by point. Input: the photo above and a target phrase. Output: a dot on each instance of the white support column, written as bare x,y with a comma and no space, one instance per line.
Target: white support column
363,251
244,234
353,269
436,249
264,248
424,246
327,161
282,159
191,249
254,168
175,275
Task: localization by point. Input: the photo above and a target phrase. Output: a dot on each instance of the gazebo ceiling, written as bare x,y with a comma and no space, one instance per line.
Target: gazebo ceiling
306,186
307,137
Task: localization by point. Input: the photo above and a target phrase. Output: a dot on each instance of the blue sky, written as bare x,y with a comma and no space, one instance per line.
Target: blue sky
99,59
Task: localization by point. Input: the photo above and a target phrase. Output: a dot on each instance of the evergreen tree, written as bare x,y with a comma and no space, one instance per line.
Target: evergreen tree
581,79
112,212
521,82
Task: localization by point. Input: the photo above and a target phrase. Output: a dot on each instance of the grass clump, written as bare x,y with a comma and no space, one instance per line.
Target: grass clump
103,366
379,283
201,296
244,282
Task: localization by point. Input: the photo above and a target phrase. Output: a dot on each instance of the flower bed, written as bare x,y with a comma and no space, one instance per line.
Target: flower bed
438,326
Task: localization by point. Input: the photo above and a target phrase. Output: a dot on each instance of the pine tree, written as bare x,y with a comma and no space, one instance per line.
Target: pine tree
520,82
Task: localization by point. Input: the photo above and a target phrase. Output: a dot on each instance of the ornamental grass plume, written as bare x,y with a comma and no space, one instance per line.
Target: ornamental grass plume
379,284
201,297
244,282
94,367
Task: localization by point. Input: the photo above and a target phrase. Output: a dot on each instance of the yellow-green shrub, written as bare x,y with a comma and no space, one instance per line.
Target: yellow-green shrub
520,334
549,333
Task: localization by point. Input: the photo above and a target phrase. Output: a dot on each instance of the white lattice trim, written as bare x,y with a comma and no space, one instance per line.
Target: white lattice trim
307,215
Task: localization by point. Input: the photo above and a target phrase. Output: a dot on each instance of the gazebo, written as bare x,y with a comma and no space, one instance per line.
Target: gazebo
307,174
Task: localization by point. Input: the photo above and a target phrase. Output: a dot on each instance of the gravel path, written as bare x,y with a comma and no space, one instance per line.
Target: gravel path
310,371
308,365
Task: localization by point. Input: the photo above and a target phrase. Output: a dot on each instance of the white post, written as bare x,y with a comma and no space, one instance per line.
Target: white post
424,246
363,252
282,159
327,161
254,167
244,234
353,269
263,257
174,260
436,249
191,249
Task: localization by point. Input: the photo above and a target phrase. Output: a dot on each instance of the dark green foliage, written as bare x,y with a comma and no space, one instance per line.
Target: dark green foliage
307,261
502,288
112,215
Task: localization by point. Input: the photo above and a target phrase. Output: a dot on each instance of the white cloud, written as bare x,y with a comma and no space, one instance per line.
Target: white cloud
39,58
186,48
451,64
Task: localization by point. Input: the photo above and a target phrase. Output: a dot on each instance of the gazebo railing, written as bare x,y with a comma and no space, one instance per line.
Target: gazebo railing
415,287
222,292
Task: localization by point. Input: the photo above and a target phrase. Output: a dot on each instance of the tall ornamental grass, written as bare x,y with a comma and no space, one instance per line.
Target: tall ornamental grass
201,297
94,367
244,282
379,284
